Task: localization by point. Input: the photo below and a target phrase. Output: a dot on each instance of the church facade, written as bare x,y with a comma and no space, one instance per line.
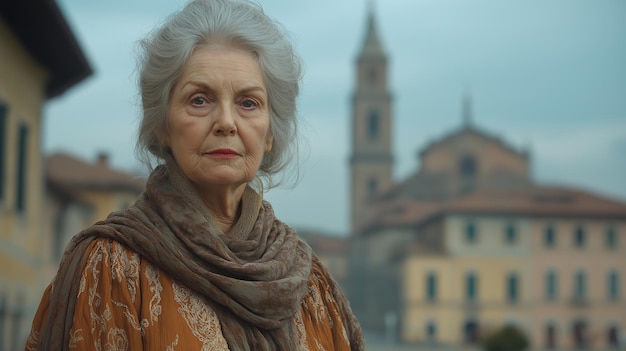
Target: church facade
470,242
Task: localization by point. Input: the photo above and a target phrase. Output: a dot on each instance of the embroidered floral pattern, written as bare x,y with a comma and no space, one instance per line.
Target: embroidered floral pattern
302,341
152,275
33,341
125,303
200,318
125,266
174,343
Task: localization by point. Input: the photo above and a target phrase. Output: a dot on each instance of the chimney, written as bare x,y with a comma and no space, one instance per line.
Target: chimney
103,159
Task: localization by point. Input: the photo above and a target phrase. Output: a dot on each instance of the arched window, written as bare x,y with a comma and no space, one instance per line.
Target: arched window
468,167
373,125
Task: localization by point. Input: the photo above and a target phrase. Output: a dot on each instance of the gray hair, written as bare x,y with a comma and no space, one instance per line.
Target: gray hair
166,50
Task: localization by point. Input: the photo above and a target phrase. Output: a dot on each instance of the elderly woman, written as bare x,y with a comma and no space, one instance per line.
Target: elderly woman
199,262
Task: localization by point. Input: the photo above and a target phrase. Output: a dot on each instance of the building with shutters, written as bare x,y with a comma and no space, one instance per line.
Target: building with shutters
470,242
40,59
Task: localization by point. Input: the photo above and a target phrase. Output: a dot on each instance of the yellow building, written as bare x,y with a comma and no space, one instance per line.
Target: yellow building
78,194
39,60
470,243
455,252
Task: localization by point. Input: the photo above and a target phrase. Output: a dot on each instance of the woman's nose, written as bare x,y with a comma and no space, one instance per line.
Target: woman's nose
225,121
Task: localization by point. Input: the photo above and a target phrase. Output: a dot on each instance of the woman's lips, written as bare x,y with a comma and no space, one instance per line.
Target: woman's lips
223,153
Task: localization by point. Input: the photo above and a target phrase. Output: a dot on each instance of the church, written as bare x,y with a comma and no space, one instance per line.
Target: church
470,242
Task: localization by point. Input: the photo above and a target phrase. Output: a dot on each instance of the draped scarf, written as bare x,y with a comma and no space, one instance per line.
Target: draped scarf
255,276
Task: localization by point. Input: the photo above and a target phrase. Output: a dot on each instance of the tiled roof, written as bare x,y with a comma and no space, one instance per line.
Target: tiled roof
397,213
323,243
471,130
69,171
538,201
64,192
534,201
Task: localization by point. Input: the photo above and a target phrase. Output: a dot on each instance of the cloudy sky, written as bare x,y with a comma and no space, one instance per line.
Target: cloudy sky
548,76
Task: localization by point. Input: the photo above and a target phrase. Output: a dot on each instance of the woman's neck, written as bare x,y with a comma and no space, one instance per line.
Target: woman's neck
223,204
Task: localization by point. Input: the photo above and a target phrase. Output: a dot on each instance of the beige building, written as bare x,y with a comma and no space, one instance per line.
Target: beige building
332,251
548,259
39,60
470,242
78,194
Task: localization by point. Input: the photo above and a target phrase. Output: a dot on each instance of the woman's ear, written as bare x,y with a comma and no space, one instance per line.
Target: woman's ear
162,137
269,140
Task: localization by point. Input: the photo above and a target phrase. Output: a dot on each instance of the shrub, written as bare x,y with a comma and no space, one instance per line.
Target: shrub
509,338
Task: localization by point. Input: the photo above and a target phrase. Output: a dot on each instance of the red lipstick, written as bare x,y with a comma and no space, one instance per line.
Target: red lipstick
223,153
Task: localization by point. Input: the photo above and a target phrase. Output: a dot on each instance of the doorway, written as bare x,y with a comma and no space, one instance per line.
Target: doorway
471,331
580,334
550,343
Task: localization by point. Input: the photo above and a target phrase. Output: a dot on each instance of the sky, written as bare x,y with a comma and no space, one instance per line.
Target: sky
546,76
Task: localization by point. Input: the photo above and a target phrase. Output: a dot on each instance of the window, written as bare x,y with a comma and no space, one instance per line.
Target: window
373,125
551,285
549,236
470,232
431,287
431,331
611,237
3,135
467,166
22,152
471,287
510,234
372,186
579,236
550,336
612,337
3,315
512,288
580,286
613,286
372,75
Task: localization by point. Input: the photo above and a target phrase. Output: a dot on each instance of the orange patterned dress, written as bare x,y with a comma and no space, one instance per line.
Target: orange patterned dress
125,303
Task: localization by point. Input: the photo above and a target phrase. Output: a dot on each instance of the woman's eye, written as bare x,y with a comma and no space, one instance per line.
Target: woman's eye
198,100
249,104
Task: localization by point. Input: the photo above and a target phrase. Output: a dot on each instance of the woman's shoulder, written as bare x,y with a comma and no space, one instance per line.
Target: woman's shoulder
321,321
110,251
107,258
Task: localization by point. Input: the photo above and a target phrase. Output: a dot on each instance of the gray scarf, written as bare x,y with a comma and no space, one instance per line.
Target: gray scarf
255,276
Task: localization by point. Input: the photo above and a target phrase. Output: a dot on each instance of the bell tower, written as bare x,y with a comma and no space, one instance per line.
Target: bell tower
371,160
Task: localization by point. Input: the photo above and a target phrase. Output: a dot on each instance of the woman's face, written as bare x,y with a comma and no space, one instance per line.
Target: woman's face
218,121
